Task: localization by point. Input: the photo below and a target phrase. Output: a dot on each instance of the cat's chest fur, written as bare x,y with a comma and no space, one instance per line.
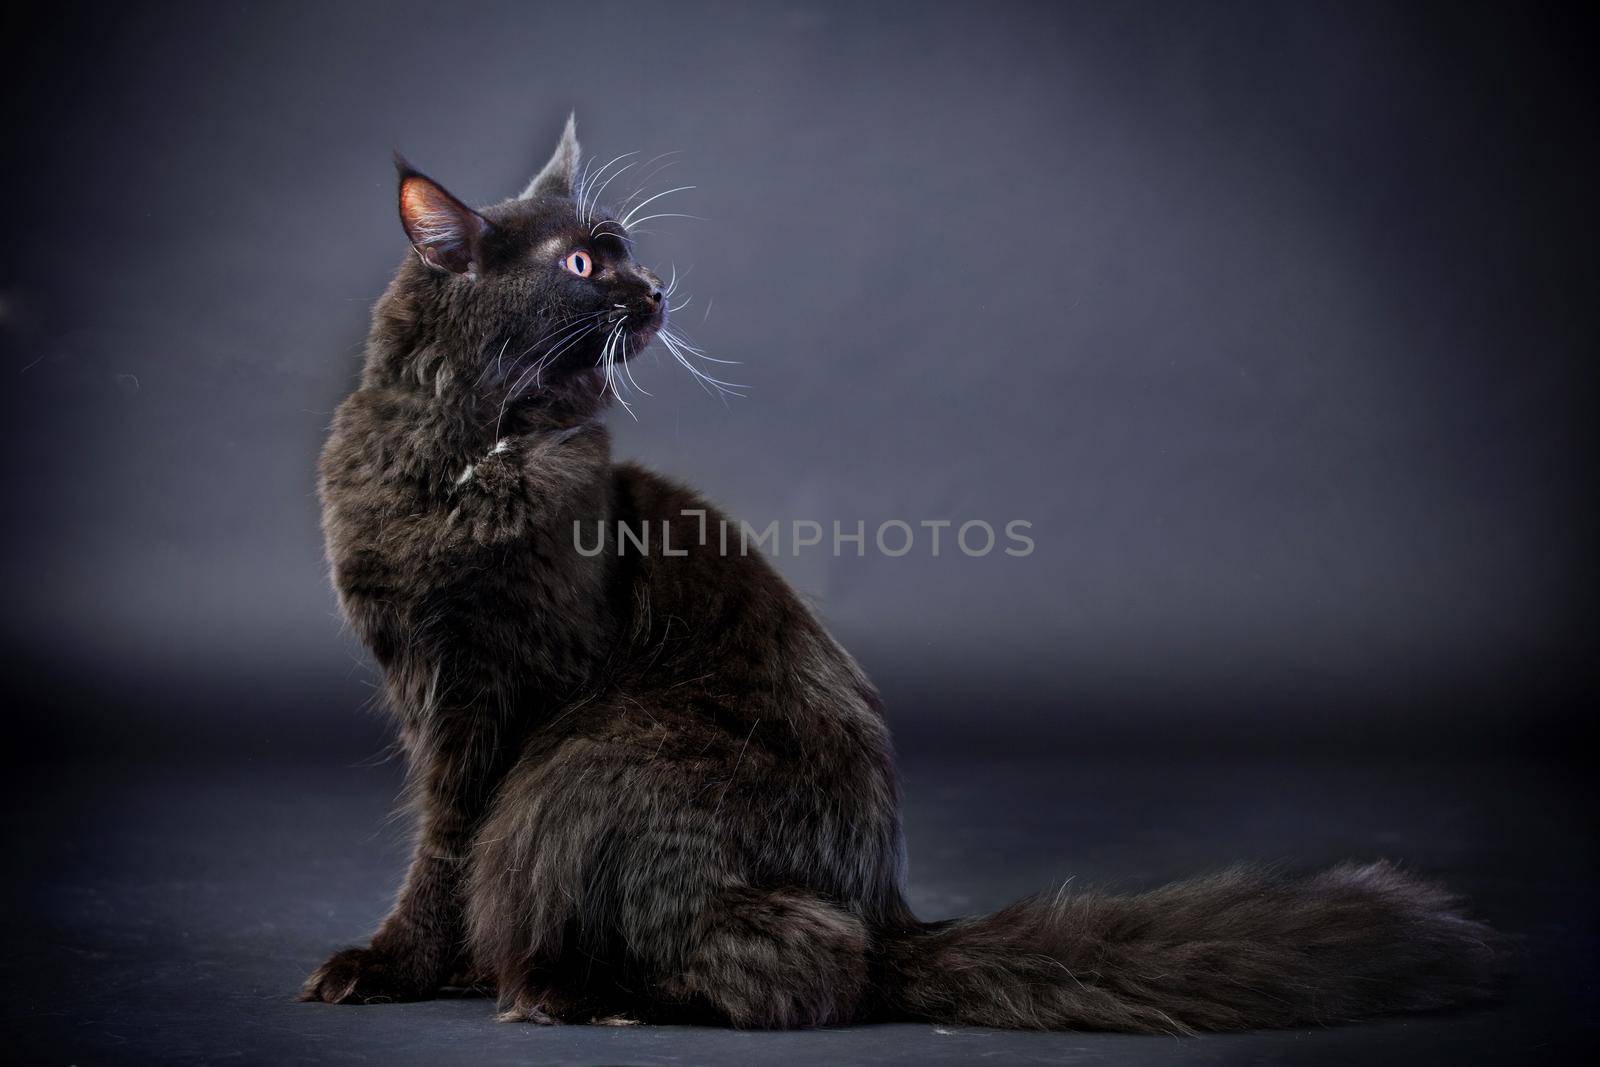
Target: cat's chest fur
442,555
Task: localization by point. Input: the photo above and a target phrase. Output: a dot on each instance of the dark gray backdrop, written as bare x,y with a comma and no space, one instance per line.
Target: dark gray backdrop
1273,320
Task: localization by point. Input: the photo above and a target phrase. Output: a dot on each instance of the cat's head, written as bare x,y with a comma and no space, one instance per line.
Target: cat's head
520,300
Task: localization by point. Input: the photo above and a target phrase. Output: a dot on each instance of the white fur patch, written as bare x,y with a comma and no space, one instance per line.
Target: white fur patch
465,475
500,446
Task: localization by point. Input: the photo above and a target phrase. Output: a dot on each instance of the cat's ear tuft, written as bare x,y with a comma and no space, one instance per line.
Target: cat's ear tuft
446,233
558,175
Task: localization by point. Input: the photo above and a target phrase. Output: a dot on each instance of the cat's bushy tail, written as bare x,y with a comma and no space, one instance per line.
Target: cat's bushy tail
1243,949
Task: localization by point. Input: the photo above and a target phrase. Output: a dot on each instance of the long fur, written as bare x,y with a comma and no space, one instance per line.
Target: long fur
650,785
1242,949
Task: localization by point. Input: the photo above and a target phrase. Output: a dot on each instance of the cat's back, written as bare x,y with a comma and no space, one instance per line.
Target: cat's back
712,601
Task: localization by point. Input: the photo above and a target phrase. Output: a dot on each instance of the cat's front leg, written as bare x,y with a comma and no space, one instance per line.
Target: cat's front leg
502,496
419,946
414,952
363,976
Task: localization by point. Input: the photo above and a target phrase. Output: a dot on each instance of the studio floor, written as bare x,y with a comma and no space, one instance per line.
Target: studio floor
163,914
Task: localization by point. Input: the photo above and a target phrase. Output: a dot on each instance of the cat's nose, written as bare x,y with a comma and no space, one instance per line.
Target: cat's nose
652,286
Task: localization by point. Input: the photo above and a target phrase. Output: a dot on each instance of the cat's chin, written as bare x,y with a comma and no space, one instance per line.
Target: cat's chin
640,336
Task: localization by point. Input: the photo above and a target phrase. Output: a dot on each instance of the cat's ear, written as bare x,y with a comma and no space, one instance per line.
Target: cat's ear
558,175
446,233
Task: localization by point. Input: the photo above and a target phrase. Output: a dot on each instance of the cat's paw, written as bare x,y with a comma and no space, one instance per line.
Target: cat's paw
542,1007
487,467
363,976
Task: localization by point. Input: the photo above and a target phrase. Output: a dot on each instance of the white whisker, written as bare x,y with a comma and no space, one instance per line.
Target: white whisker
628,218
607,357
583,212
632,223
722,387
629,371
479,379
594,203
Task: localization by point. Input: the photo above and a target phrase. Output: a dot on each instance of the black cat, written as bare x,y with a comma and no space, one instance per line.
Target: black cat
651,786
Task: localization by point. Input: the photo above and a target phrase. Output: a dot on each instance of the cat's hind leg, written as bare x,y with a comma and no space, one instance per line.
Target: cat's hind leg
617,878
774,959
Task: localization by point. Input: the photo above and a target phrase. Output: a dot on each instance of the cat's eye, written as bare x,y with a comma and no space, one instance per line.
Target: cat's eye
578,263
